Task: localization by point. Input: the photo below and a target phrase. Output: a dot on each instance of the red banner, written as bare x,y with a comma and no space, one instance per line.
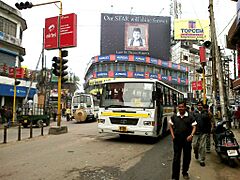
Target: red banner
19,72
68,32
51,33
202,54
197,86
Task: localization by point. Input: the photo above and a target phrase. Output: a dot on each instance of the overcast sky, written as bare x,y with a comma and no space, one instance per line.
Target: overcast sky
88,13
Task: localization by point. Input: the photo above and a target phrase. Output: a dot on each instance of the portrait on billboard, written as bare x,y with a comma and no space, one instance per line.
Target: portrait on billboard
136,36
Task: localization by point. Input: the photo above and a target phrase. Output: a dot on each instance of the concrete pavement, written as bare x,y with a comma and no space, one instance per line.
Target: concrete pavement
214,169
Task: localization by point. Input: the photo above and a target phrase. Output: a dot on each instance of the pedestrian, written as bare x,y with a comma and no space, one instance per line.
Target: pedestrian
68,113
54,114
203,128
3,114
182,128
211,127
9,116
63,111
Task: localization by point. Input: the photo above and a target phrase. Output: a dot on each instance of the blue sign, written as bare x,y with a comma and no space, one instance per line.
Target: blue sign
182,68
122,57
165,64
153,76
21,91
102,74
164,78
103,58
175,79
153,61
140,58
138,75
120,74
174,66
183,80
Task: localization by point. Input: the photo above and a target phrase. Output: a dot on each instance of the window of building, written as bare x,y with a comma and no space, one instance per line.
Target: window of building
185,58
8,27
139,68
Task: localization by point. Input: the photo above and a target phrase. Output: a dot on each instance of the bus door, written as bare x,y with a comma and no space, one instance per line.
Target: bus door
159,107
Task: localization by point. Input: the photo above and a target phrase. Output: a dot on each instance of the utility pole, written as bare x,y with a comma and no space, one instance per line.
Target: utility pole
217,62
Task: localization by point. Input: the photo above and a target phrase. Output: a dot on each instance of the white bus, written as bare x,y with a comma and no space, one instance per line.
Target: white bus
137,107
83,107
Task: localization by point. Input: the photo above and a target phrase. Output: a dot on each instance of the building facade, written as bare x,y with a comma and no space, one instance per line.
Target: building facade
186,53
12,26
102,68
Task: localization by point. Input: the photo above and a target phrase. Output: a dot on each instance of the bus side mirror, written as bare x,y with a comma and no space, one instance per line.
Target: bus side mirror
98,95
154,94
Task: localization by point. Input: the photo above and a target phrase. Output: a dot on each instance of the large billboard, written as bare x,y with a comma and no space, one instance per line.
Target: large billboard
135,34
188,29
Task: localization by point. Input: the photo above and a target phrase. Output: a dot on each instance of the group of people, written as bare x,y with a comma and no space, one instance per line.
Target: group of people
6,115
190,128
66,112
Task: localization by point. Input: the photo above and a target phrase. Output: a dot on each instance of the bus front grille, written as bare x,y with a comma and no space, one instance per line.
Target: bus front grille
124,121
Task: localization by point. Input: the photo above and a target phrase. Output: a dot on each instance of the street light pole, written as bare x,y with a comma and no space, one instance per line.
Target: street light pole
14,96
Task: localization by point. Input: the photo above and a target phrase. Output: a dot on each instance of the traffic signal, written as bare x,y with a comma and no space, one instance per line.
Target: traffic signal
23,5
199,70
56,68
17,83
207,44
64,66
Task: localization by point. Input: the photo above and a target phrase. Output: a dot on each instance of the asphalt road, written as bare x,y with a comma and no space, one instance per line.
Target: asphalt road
83,154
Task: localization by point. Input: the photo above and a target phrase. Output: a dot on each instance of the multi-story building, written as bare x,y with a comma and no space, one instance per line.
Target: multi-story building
186,53
12,26
102,68
233,42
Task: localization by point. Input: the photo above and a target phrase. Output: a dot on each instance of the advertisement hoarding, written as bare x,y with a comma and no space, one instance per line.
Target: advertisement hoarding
68,32
136,34
188,29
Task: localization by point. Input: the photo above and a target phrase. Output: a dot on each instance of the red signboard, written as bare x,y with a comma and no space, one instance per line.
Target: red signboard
202,54
68,32
19,72
197,86
51,33
238,59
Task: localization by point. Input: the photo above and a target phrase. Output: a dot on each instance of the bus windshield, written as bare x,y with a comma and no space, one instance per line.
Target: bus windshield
129,94
82,99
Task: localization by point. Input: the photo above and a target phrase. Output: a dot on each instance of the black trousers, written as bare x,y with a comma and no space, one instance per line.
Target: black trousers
179,145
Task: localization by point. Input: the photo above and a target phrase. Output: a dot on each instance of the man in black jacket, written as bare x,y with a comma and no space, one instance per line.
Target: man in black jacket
182,128
203,128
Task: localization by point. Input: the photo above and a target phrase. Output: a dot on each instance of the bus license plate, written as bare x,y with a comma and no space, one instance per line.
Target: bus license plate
122,128
232,152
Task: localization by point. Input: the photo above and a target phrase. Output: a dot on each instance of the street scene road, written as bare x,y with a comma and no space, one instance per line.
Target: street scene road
82,153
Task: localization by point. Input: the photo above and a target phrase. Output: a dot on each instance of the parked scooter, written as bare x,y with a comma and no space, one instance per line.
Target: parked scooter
226,144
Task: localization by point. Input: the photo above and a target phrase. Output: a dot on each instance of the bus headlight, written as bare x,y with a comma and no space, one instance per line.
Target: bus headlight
101,121
147,123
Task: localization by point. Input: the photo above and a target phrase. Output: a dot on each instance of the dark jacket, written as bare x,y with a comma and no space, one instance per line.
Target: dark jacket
203,122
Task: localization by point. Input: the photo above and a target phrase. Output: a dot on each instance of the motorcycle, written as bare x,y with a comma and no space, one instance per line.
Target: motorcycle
226,144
